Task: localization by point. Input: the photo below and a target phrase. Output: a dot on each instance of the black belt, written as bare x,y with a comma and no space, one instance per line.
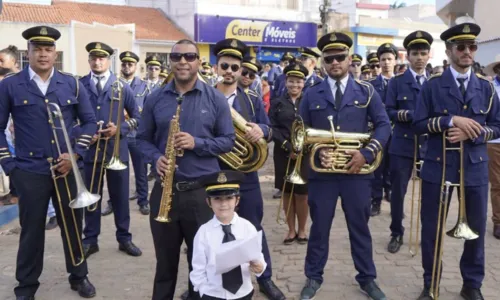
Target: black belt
183,186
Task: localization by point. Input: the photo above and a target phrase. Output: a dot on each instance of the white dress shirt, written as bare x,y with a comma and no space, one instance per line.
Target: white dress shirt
206,243
422,79
42,85
333,86
466,82
231,97
104,80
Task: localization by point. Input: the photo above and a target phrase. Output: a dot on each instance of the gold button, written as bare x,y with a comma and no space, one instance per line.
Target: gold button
316,106
465,106
25,101
98,107
52,141
445,111
46,100
338,127
406,135
419,146
438,159
404,98
356,102
31,153
480,158
69,101
481,111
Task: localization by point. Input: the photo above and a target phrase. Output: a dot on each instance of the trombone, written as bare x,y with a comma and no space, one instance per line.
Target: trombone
417,167
114,163
461,230
83,197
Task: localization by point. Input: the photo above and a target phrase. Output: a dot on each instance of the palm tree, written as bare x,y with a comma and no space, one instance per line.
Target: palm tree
397,5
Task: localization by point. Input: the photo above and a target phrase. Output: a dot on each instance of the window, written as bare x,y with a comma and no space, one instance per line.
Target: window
24,62
161,57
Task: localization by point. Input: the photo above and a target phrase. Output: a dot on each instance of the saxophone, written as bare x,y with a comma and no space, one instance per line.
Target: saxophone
168,179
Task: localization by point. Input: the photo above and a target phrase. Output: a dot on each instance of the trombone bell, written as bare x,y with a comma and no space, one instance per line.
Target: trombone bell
462,231
83,199
116,164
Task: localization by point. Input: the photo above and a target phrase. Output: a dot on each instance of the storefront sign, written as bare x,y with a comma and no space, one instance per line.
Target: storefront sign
373,40
211,29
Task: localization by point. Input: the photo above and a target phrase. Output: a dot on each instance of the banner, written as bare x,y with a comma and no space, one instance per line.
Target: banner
211,29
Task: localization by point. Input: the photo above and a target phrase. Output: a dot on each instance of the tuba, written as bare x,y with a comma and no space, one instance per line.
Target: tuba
340,142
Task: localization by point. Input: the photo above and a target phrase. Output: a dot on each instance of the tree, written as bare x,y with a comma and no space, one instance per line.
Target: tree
397,5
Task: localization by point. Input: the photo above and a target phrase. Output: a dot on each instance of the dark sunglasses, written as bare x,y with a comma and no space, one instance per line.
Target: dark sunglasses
338,57
374,66
189,56
225,66
461,47
355,64
246,72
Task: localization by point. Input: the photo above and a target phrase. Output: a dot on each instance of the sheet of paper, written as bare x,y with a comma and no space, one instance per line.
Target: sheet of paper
232,254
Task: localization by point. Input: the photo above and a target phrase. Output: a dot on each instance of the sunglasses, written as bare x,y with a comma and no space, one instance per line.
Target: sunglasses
355,64
188,56
374,66
248,73
461,47
338,57
154,68
225,66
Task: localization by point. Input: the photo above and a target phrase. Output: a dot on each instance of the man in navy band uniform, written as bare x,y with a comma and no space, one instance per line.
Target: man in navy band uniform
351,103
101,84
308,58
230,53
355,68
154,69
401,98
374,64
140,91
387,54
465,107
250,68
26,95
206,131
276,76
366,73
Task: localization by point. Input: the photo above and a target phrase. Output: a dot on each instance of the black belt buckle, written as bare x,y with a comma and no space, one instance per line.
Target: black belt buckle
181,186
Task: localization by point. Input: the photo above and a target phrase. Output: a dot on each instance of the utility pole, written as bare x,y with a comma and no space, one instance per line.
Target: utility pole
323,13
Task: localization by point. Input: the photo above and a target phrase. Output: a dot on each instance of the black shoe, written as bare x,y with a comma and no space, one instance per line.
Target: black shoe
129,248
108,210
289,241
268,288
277,194
84,288
185,295
88,250
471,294
387,194
425,295
375,209
144,209
51,224
310,289
373,291
25,298
395,244
133,197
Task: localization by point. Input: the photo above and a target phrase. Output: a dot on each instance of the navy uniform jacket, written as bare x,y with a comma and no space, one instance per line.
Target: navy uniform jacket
380,87
35,141
359,103
311,81
274,73
140,90
253,112
401,98
101,105
205,115
277,86
440,100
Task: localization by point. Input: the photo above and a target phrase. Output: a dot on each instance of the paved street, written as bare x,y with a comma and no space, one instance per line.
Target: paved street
117,276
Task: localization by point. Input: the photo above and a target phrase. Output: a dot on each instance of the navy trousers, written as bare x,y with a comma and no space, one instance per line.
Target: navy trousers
476,205
118,187
323,196
251,207
140,171
401,170
382,178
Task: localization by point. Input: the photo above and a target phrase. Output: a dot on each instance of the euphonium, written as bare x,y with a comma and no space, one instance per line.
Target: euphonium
340,142
168,178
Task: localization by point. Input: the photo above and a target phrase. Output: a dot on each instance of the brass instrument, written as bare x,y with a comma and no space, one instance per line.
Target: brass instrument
461,230
168,179
114,163
340,142
417,167
83,197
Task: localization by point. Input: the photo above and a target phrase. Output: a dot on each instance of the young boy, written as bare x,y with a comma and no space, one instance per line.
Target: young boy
223,196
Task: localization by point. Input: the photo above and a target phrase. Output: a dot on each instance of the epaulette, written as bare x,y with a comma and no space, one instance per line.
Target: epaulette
67,74
435,76
371,91
252,93
371,79
482,77
76,77
9,75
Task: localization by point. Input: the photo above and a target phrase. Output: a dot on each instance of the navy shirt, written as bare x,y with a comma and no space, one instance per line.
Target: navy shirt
35,141
140,90
204,114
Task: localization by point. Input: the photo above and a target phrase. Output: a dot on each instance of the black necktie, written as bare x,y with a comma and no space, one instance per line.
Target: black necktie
338,95
98,84
386,81
462,85
232,280
419,83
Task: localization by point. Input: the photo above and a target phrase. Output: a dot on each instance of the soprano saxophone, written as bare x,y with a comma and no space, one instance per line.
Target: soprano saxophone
168,179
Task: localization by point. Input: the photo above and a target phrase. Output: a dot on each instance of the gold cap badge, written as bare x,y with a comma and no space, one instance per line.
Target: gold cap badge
234,43
98,46
222,178
419,34
297,67
154,58
43,31
333,37
388,45
127,54
466,29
